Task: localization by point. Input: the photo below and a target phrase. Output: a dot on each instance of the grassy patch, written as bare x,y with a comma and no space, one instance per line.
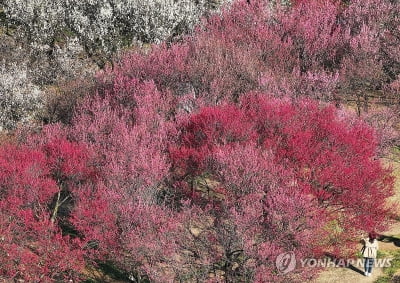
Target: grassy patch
391,270
383,254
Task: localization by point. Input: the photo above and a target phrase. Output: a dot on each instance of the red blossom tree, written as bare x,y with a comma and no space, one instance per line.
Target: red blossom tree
36,184
256,159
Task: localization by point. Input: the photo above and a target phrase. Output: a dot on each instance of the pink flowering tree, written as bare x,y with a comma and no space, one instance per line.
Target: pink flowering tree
274,176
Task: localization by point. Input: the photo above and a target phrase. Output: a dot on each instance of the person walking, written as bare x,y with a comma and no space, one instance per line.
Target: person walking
369,252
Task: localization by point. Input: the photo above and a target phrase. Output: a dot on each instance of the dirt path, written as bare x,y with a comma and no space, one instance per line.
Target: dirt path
356,273
347,275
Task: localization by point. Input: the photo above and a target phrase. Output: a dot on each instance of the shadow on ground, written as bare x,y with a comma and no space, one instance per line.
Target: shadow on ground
355,269
341,262
390,239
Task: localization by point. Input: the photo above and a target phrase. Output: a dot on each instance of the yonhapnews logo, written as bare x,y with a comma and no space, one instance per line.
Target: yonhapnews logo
286,262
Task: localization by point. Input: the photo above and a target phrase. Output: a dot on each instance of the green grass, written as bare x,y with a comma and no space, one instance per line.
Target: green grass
390,271
383,254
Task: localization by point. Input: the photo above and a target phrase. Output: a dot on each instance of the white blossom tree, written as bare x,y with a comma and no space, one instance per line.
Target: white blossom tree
47,41
105,25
